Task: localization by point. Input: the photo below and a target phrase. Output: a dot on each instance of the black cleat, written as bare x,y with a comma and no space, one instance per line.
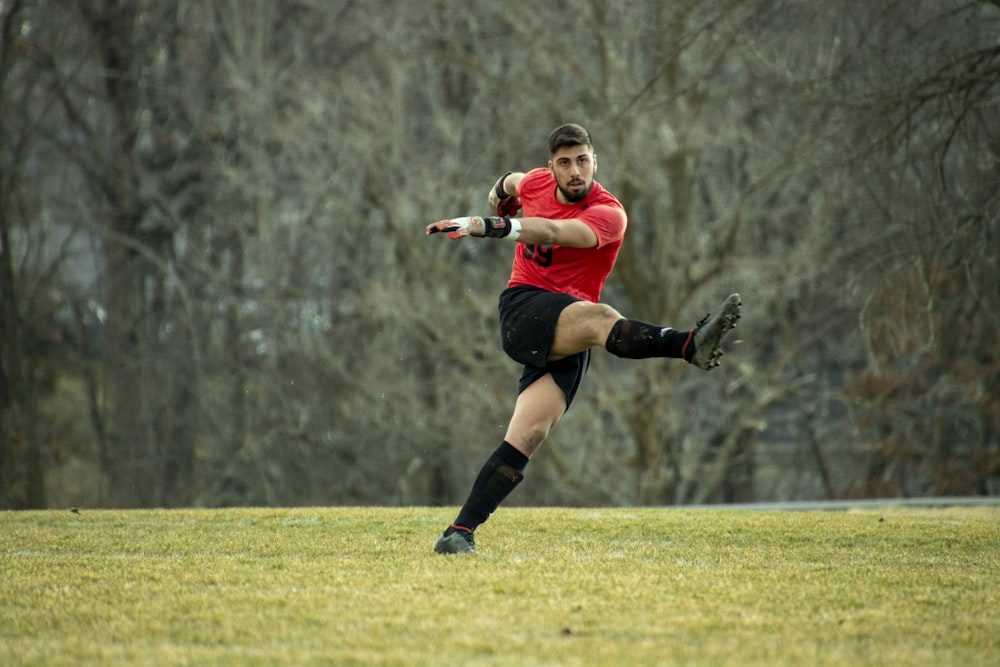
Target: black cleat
457,542
710,331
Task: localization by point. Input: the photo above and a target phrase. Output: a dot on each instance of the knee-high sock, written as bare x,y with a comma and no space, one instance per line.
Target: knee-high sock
633,339
497,478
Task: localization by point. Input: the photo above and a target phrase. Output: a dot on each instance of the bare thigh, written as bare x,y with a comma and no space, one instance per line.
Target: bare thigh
581,326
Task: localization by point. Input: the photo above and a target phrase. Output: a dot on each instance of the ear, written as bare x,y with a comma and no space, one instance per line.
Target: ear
595,163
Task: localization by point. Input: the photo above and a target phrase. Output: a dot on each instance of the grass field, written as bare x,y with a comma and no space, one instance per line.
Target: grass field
347,586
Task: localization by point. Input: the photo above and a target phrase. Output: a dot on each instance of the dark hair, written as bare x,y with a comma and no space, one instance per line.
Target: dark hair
569,134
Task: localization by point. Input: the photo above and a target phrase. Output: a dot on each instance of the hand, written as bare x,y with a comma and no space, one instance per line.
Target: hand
508,207
498,196
494,201
459,227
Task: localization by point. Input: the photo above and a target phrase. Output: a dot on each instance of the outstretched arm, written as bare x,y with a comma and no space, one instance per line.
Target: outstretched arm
504,201
571,233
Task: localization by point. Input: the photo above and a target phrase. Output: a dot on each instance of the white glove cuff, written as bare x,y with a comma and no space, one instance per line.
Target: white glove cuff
515,230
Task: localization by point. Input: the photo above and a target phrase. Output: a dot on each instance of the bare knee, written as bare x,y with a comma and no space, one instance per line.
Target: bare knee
583,325
527,432
537,410
595,311
527,436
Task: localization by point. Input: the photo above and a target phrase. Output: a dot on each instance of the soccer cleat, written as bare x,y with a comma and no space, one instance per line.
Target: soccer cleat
458,542
708,334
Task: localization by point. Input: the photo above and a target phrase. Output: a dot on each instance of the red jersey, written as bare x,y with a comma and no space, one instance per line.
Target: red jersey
577,271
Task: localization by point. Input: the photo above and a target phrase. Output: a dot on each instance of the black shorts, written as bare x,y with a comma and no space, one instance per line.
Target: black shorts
528,317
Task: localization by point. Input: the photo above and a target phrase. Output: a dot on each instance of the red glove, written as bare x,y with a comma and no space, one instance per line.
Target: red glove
509,206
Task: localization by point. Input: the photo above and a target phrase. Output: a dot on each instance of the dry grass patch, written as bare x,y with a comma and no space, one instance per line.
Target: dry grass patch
551,586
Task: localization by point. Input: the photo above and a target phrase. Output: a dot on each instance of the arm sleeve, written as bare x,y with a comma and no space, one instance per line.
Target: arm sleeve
608,222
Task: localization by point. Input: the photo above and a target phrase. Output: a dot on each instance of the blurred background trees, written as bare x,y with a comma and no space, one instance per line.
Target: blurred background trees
215,288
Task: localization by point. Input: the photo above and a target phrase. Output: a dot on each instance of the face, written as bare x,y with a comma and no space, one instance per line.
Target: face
573,168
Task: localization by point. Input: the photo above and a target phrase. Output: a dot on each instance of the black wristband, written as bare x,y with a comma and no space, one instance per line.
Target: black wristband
498,188
497,227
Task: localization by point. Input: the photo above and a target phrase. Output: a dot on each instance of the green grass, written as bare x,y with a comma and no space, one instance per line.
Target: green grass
350,586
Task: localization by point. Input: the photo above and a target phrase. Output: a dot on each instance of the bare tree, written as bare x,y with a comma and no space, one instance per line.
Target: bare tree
20,460
928,151
254,180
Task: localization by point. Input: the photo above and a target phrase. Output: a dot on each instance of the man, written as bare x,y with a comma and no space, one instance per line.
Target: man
550,314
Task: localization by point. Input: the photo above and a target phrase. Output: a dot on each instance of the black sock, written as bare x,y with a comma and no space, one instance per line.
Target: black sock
633,339
497,478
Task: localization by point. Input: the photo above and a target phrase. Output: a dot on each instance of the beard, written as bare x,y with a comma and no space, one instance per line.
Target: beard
574,197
